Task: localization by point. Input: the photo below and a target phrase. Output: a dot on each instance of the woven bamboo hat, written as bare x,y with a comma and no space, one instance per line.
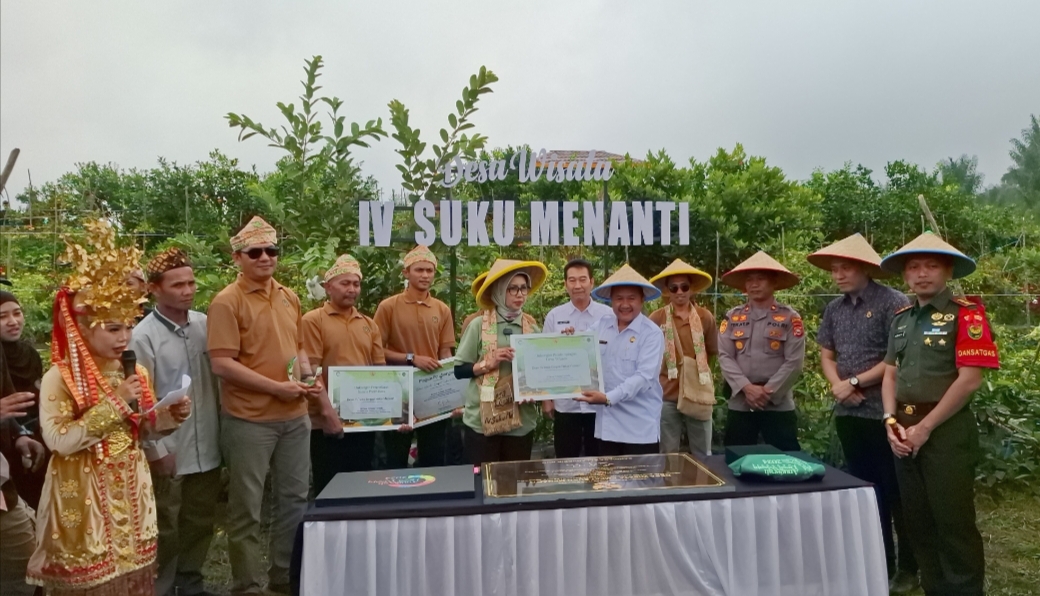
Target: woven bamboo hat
626,276
929,244
759,261
502,267
699,280
854,248
477,283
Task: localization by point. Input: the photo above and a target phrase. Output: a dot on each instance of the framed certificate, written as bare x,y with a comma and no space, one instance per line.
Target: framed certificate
435,394
555,366
371,398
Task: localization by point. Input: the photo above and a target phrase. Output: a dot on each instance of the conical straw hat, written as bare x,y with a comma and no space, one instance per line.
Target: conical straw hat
759,261
478,281
535,270
626,276
854,248
929,244
699,280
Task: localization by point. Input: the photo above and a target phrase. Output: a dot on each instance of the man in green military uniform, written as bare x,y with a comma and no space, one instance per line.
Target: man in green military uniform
937,349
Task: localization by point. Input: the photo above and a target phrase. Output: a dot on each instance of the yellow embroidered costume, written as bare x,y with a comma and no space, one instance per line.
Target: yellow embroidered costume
96,525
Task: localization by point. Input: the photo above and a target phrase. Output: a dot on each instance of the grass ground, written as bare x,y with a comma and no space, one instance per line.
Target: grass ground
1010,527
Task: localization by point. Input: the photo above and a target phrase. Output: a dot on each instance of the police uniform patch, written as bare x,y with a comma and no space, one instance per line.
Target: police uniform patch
937,316
779,318
949,316
740,345
774,345
723,326
738,333
796,326
775,333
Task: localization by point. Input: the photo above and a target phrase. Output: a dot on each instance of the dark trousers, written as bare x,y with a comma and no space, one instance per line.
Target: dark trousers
937,489
609,448
575,435
185,511
331,455
870,458
431,441
481,449
779,429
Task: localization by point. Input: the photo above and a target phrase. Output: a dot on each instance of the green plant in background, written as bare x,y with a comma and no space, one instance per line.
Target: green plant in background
421,175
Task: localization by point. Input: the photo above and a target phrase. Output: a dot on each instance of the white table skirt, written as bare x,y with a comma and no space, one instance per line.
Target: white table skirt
826,543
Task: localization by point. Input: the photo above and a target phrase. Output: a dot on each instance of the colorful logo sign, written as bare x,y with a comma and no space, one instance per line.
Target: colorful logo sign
409,481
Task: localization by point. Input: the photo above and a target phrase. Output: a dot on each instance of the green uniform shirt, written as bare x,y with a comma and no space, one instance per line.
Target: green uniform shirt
469,351
922,344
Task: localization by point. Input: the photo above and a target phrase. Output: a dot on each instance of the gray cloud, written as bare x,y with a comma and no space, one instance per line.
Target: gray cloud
806,84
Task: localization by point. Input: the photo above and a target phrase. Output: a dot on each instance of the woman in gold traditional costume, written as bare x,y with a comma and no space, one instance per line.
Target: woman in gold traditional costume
96,525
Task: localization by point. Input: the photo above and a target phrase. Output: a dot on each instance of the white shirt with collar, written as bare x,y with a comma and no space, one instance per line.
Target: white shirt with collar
568,315
631,361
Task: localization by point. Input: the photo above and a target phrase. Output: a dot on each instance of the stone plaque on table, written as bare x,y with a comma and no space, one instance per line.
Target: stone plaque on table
599,477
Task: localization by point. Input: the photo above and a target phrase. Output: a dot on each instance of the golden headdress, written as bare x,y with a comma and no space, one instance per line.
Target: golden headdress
98,283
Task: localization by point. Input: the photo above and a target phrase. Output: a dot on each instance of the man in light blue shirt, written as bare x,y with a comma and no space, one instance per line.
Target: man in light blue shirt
628,415
574,423
171,342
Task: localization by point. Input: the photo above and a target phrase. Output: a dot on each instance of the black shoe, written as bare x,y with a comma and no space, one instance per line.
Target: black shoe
903,583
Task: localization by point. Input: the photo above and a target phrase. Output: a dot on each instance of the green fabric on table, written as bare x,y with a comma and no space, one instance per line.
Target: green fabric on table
779,468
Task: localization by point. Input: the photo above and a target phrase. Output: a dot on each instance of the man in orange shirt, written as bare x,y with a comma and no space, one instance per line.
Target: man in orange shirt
337,334
417,331
254,343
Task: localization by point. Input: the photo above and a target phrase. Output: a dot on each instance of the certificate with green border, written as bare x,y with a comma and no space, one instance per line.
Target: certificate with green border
370,398
555,366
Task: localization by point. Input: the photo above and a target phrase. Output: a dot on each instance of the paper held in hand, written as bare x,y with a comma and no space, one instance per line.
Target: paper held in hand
555,366
173,396
436,394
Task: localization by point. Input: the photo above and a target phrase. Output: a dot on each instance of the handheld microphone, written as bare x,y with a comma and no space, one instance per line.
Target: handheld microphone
129,360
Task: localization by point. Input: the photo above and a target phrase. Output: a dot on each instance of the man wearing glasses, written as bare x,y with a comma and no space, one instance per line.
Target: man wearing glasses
690,341
574,423
417,331
254,347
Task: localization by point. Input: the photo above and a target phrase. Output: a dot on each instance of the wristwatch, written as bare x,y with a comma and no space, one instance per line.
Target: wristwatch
854,381
890,419
409,359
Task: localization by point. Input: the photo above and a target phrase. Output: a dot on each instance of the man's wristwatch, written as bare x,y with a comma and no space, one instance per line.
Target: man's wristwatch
890,419
854,381
409,359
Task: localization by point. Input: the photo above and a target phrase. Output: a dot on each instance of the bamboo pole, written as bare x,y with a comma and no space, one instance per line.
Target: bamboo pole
956,285
8,168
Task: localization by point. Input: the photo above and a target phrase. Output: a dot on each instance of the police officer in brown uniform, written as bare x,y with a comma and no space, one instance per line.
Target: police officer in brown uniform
761,351
937,350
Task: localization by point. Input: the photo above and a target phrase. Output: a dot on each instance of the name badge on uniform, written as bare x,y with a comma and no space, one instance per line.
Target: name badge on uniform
934,331
900,334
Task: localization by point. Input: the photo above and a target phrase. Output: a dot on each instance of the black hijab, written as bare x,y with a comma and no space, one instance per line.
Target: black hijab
22,366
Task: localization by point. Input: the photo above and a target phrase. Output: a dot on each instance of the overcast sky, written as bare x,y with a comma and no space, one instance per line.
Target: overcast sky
805,84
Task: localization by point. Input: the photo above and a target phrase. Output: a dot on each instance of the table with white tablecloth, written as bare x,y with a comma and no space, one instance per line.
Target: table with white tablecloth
806,539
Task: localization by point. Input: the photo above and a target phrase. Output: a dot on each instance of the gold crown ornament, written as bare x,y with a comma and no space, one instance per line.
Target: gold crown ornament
99,279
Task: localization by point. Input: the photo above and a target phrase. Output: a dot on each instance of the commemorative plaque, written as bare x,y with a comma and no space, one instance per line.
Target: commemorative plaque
599,477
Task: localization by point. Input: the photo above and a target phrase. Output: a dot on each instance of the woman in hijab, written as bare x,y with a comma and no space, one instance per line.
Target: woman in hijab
20,376
496,427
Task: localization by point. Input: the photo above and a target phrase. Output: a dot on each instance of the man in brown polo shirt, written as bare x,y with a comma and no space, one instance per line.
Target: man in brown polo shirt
253,339
336,334
417,331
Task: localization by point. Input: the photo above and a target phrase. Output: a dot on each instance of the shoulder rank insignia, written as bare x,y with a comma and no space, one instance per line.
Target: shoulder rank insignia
779,318
724,325
964,302
905,308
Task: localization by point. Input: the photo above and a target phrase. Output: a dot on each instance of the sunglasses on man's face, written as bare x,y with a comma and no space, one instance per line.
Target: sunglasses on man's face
254,253
679,288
